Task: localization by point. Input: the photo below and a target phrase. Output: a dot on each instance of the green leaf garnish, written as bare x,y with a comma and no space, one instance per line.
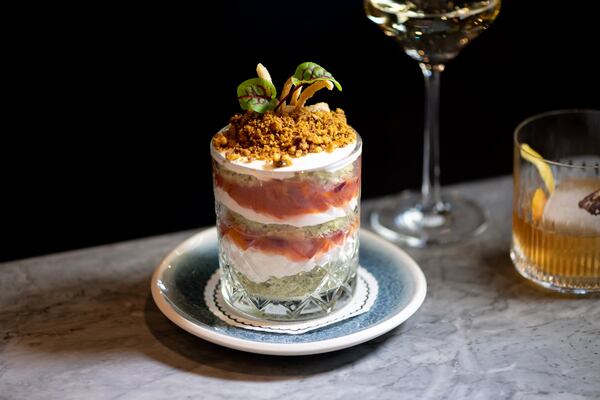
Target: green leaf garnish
309,72
257,94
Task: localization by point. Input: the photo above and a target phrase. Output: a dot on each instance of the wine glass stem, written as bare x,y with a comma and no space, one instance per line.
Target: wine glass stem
430,188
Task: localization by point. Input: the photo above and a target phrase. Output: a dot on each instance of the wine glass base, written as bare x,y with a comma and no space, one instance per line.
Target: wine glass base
407,221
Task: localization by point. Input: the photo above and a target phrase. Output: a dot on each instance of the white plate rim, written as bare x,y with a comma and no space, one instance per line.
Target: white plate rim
290,349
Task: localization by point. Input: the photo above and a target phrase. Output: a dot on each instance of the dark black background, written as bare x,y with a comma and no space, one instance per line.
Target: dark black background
111,107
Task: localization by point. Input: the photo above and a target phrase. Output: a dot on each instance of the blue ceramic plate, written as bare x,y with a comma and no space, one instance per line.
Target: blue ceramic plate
178,287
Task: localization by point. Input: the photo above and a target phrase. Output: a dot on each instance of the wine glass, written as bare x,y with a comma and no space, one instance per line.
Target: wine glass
432,32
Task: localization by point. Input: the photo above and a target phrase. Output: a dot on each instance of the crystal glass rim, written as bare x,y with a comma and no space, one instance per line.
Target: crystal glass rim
355,153
536,117
442,14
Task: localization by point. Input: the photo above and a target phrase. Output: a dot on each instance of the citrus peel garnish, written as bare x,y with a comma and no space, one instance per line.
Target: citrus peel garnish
311,90
295,96
538,202
543,168
286,89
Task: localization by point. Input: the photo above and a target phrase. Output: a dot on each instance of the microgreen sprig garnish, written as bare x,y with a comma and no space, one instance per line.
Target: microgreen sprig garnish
309,72
259,94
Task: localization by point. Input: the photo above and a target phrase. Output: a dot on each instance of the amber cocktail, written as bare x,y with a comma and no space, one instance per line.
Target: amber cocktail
556,207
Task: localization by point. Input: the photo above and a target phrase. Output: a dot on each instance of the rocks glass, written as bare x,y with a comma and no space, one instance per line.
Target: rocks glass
556,204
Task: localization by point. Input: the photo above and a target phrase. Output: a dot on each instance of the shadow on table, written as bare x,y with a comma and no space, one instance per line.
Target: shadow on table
509,283
193,354
118,322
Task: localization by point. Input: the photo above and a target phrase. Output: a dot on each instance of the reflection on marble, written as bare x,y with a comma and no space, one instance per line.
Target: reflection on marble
82,325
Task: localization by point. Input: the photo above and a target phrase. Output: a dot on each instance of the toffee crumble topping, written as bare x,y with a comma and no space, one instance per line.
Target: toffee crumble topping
277,137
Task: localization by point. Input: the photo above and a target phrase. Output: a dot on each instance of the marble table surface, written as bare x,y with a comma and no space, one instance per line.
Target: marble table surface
82,324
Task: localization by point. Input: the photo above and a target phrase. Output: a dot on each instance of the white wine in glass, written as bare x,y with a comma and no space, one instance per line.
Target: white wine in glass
433,33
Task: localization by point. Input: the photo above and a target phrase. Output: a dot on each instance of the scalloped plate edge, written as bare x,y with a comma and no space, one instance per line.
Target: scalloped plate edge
289,349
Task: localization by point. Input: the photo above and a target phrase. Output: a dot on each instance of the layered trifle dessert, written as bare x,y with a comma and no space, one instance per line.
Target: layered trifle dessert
287,193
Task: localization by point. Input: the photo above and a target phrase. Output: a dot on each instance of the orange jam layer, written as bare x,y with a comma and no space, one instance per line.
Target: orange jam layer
295,247
289,197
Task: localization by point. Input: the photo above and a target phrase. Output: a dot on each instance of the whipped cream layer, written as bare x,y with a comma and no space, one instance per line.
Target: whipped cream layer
259,266
301,220
263,170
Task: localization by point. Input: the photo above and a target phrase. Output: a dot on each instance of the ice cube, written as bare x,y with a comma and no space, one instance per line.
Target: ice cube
562,212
